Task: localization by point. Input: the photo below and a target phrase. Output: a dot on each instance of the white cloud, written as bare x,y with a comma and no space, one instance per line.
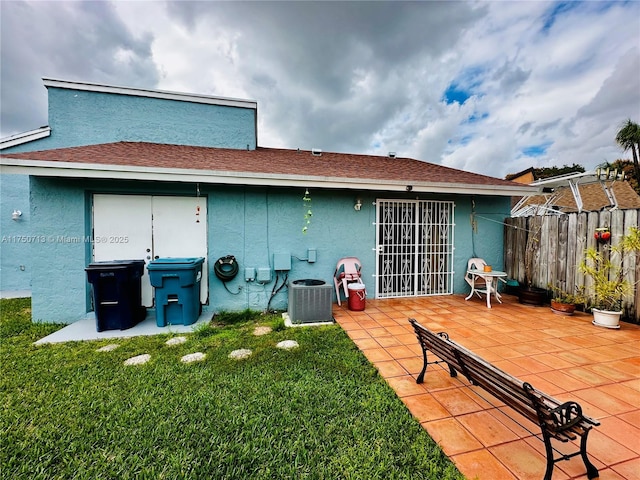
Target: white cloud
361,77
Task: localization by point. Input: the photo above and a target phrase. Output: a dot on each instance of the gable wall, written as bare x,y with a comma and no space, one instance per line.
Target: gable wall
83,118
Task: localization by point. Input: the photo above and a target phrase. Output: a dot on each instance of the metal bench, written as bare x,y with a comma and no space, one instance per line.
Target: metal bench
563,421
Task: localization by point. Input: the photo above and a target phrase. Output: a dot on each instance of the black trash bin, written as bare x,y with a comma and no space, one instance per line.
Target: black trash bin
117,293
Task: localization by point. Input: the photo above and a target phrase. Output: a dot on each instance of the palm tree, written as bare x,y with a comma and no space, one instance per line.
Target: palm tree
628,138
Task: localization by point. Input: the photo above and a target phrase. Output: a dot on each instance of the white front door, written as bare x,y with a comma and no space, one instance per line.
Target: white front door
180,230
131,227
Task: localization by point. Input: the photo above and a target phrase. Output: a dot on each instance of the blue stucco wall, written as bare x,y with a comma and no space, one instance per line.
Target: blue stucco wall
15,263
83,118
59,218
251,223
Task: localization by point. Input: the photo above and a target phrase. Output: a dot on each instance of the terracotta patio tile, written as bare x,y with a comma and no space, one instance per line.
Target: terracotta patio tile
553,360
515,422
622,432
486,428
407,339
386,322
358,333
628,470
482,465
349,325
377,354
387,341
390,368
527,348
601,399
378,332
586,341
607,450
623,392
561,379
415,348
610,371
541,384
452,437
587,375
512,367
366,343
411,365
425,408
635,384
396,330
405,386
609,353
401,351
576,358
522,460
486,353
484,341
505,351
566,357
457,401
532,365
632,418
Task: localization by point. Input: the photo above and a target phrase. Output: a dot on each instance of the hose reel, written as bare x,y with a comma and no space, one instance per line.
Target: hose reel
226,268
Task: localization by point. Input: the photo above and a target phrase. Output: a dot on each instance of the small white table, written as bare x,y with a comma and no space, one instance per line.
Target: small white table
488,278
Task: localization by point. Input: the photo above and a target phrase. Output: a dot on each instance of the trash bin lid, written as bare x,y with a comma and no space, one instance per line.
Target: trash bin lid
114,264
175,263
356,286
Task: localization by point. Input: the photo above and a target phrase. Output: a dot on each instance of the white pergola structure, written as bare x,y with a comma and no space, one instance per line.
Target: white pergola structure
526,208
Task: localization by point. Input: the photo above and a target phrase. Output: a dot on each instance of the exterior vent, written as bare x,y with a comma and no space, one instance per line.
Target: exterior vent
316,152
392,154
310,301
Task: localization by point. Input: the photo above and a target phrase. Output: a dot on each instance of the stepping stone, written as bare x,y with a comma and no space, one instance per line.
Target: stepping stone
108,348
288,344
240,354
139,360
176,341
261,331
193,357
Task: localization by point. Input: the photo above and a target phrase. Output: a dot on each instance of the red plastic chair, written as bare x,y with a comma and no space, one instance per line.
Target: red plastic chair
347,271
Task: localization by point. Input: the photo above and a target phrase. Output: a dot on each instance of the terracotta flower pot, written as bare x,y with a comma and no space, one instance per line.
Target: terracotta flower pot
562,308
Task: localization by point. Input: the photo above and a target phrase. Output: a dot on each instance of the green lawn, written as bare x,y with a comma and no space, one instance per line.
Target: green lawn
320,411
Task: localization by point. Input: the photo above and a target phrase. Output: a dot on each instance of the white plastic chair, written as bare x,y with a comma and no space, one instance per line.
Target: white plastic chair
478,284
347,271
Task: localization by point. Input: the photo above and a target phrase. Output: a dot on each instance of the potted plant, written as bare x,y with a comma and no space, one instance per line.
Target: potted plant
563,302
607,270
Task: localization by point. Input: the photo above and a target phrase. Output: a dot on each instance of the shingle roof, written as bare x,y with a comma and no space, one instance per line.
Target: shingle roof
269,161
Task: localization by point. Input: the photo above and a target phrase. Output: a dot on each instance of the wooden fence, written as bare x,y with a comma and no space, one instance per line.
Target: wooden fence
560,249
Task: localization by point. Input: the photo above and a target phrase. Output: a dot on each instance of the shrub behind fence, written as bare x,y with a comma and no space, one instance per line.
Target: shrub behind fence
560,249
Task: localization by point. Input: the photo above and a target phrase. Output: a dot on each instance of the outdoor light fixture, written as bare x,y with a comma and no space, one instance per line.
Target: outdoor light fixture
16,215
409,188
358,205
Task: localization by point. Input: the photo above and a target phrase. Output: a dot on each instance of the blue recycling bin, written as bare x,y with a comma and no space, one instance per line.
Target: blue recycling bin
117,293
177,289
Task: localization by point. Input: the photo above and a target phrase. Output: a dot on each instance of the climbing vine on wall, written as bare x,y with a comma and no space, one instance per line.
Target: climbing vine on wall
307,211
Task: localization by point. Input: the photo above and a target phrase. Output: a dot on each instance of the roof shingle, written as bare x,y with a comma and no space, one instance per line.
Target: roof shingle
271,161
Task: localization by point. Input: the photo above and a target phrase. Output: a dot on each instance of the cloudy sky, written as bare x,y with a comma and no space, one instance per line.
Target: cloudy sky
489,87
